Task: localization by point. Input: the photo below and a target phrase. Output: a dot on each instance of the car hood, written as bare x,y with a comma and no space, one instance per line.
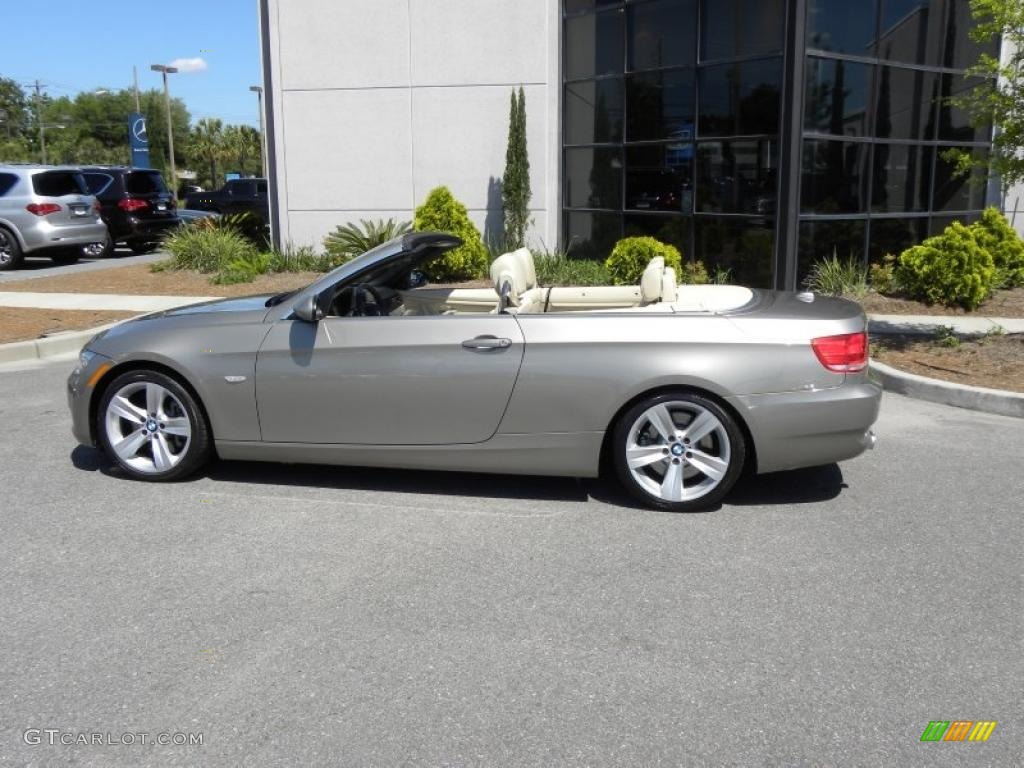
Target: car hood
237,304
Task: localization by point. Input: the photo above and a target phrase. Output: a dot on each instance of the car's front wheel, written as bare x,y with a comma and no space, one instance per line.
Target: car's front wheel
152,427
678,451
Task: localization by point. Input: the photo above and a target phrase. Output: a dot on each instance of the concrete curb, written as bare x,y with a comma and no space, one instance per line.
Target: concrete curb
918,325
947,393
51,346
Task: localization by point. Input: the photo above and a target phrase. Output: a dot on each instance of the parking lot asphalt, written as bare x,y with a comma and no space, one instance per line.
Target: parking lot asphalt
314,615
36,267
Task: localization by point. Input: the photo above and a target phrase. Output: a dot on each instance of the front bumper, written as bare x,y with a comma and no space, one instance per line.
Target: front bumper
80,388
43,234
808,429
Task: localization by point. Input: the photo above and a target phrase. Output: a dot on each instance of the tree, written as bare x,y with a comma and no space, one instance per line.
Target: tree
206,145
242,147
999,103
13,110
515,185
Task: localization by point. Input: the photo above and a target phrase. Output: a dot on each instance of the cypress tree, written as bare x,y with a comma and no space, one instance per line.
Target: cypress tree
515,186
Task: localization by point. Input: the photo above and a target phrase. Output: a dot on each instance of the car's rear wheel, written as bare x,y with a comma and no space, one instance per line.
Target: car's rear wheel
140,247
678,451
66,256
101,250
152,427
10,252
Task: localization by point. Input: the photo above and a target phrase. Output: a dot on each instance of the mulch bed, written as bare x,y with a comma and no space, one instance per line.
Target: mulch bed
1003,304
996,362
19,324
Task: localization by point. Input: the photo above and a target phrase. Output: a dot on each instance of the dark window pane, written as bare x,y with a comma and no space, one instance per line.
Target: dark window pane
592,235
742,246
837,97
938,224
659,105
661,34
736,28
674,230
59,183
593,177
96,183
833,177
575,6
959,50
737,176
912,31
593,45
842,26
906,104
902,178
660,177
145,182
7,180
955,123
738,99
894,236
822,239
958,193
593,111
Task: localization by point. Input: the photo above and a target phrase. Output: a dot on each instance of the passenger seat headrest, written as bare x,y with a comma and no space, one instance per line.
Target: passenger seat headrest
525,259
650,281
509,269
668,285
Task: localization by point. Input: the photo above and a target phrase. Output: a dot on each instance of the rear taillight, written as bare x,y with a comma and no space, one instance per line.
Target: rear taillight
132,204
847,353
96,207
42,209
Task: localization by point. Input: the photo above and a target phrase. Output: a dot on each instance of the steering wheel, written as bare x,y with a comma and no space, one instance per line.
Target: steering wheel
359,307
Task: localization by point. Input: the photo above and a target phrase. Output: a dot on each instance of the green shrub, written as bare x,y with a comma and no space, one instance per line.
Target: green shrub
441,212
838,277
244,269
556,268
720,275
882,277
695,273
631,256
302,259
945,336
994,233
350,240
248,225
206,249
949,269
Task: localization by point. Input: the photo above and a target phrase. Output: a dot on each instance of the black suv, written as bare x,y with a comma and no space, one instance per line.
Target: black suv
236,196
135,204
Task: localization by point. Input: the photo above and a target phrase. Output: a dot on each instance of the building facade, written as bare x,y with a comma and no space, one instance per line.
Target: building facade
756,135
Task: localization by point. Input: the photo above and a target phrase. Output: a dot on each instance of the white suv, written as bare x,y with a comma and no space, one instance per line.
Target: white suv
47,211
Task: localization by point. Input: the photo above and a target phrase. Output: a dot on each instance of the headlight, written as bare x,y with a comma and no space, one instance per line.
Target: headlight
84,358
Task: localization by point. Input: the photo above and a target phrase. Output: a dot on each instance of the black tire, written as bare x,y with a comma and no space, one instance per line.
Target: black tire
727,441
67,256
11,256
198,449
140,247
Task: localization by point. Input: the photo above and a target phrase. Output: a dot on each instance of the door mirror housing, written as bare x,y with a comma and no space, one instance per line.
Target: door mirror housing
309,310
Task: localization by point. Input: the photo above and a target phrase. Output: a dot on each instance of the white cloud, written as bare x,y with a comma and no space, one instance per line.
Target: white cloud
198,64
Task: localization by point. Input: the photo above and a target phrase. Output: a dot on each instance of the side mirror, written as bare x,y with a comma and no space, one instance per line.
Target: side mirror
416,280
309,310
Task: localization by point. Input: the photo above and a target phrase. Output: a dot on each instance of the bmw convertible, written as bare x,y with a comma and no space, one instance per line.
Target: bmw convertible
676,389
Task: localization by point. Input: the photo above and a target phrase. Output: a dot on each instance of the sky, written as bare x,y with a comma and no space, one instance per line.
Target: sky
76,46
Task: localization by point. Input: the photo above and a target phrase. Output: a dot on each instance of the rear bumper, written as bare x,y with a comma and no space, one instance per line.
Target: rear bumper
43,234
149,228
807,429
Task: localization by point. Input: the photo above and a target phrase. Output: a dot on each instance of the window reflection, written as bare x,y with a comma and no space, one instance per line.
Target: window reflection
833,178
661,34
660,105
744,247
823,239
593,177
737,176
592,235
593,112
674,230
736,28
901,178
593,45
837,97
841,26
740,99
660,177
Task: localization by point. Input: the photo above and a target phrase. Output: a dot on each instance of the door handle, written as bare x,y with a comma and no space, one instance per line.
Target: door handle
487,342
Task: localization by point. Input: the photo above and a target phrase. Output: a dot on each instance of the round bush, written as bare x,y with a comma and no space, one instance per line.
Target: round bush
995,235
441,212
949,269
631,256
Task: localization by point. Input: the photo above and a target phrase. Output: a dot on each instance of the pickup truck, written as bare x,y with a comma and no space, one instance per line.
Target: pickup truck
236,196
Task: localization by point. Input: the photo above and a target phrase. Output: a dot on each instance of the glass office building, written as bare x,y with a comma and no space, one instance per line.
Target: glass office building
761,135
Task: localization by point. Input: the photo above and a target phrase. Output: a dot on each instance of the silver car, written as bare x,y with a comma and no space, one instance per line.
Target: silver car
47,211
676,389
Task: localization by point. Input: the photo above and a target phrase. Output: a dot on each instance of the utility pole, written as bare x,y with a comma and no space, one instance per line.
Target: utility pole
39,116
135,84
258,90
165,70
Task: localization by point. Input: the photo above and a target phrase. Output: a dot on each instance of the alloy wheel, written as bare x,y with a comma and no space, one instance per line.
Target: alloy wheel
678,451
148,427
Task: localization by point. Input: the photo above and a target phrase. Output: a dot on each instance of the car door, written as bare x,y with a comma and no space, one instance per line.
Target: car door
403,380
241,196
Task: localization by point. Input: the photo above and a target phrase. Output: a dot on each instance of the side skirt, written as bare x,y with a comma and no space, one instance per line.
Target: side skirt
568,454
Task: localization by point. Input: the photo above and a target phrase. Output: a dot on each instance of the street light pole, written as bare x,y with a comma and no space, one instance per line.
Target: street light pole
165,71
258,90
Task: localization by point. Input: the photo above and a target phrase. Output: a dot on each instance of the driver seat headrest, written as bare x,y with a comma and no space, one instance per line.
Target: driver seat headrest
509,269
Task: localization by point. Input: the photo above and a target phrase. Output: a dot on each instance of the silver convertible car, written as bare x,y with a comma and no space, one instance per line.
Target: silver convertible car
675,388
